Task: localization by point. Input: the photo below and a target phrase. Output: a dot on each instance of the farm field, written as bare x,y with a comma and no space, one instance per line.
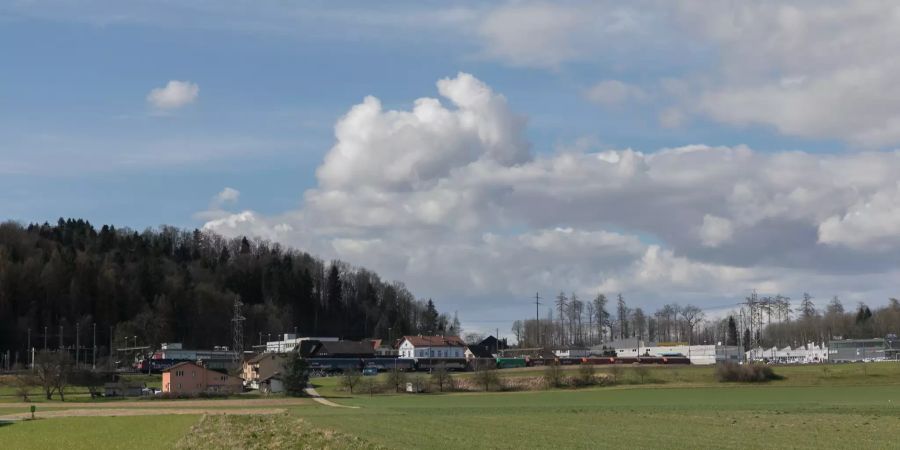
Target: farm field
94,433
836,406
703,417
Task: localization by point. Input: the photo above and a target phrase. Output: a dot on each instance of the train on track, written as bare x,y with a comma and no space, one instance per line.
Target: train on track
385,364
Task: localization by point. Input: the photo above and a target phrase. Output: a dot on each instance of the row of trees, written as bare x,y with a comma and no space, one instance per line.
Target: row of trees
577,322
172,285
808,323
760,320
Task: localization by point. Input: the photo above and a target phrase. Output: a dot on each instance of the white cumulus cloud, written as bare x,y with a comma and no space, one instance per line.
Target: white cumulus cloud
451,200
175,94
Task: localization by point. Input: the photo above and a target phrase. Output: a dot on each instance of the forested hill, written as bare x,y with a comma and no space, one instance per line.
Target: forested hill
172,285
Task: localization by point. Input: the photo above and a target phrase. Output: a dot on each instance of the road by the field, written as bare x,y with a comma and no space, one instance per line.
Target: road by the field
311,392
227,403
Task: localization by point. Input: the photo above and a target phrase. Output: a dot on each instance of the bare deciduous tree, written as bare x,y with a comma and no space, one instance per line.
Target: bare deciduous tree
441,377
349,379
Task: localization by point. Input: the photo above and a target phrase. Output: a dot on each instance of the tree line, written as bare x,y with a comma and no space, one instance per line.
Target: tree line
173,285
759,321
781,324
576,322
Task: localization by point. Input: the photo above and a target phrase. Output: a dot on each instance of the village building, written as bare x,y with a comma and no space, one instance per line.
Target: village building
263,366
495,345
191,379
272,384
477,351
424,347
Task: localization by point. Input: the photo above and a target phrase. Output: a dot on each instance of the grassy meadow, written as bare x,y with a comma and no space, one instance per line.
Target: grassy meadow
814,406
94,433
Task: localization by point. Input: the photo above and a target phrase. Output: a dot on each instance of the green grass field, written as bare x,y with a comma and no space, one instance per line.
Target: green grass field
93,433
822,407
703,417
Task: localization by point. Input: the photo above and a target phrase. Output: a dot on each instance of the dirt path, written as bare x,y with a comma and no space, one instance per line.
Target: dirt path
311,391
156,404
111,412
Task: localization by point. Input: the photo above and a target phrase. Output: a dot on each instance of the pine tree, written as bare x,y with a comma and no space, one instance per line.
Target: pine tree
731,335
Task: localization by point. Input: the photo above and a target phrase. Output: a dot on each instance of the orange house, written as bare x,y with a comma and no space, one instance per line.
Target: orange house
192,379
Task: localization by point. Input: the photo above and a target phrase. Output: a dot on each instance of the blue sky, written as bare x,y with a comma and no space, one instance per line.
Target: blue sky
81,139
81,86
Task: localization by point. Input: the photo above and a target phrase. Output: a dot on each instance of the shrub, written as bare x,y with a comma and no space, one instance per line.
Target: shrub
349,379
486,376
641,372
396,380
553,375
747,373
441,378
371,386
614,372
586,375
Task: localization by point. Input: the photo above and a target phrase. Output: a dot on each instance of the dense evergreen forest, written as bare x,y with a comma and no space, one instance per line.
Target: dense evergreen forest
173,285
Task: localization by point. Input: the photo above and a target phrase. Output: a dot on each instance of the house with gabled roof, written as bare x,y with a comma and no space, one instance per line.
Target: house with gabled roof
263,366
476,351
416,347
191,379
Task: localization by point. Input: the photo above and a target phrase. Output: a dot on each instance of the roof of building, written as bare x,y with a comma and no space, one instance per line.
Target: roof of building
183,363
480,351
435,341
344,348
265,355
494,342
274,376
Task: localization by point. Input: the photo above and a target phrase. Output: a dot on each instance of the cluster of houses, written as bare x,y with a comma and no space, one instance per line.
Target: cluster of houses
264,370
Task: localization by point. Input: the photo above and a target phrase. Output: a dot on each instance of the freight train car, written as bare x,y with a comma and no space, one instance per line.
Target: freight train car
156,365
509,363
426,364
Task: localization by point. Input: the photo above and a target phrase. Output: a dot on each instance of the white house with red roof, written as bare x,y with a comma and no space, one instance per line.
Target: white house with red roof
415,347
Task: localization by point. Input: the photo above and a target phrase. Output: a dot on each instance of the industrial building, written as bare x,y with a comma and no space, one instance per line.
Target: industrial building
809,354
698,354
289,342
852,350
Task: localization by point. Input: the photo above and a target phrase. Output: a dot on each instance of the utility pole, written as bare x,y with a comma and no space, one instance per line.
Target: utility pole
537,316
60,338
237,332
45,338
94,358
109,360
77,345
